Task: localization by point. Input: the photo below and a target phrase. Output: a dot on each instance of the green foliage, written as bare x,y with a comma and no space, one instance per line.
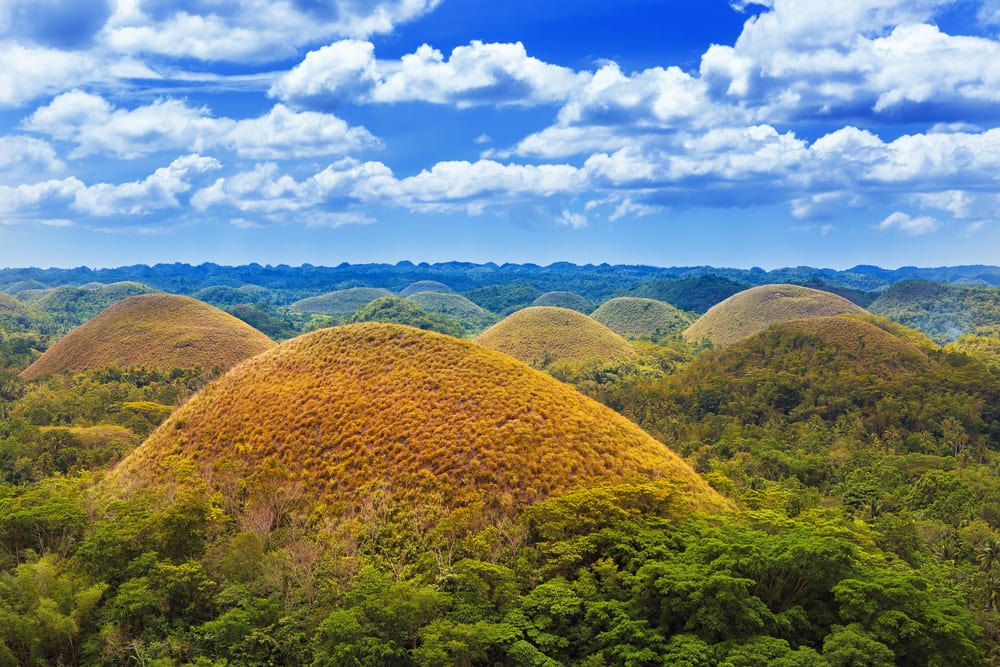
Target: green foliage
267,321
397,310
943,312
504,299
695,295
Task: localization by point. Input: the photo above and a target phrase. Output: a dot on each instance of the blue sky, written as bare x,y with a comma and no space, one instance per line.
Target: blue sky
776,133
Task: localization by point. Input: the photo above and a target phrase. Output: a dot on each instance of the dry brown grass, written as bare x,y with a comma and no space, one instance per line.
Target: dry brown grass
155,331
360,409
540,335
753,310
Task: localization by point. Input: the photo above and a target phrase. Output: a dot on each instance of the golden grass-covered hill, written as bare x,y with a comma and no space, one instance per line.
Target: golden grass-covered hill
369,407
540,335
560,299
153,330
757,308
424,286
340,302
635,316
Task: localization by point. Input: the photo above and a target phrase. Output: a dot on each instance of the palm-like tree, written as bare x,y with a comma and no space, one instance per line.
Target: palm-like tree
988,554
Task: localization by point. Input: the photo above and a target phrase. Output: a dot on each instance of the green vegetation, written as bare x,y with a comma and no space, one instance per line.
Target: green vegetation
154,330
67,307
632,316
340,302
368,408
273,324
400,310
424,286
504,299
472,318
943,312
757,308
225,297
542,335
562,299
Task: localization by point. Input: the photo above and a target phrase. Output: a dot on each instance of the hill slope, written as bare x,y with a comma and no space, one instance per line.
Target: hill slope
540,335
71,306
424,286
154,330
455,306
340,302
943,312
372,406
562,299
633,316
757,308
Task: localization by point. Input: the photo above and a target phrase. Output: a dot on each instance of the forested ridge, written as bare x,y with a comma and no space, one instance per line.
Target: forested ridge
860,457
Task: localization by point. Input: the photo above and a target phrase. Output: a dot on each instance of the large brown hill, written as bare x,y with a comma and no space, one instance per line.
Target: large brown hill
153,330
540,335
356,410
753,310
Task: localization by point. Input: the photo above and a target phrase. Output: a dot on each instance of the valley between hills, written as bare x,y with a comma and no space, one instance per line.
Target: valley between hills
481,464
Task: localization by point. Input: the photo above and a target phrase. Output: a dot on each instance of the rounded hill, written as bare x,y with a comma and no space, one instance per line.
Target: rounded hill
340,302
457,307
369,407
635,316
757,308
540,335
570,300
154,330
424,286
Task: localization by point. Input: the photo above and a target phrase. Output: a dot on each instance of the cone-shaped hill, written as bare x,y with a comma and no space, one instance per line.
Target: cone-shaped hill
368,406
540,335
757,308
570,300
154,330
340,302
634,316
424,286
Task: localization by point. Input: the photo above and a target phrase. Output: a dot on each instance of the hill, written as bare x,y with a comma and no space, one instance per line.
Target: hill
424,286
757,308
468,314
633,316
540,335
504,299
696,294
340,302
225,296
14,315
561,299
70,306
364,408
153,330
943,312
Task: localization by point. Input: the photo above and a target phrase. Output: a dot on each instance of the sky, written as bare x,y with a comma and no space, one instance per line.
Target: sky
774,133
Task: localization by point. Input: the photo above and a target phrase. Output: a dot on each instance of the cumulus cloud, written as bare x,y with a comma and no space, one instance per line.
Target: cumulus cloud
476,74
250,31
24,157
95,126
910,225
28,72
71,198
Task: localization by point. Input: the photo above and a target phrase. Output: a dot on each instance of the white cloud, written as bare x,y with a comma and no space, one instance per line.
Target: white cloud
24,157
574,220
95,126
30,72
249,31
910,225
476,74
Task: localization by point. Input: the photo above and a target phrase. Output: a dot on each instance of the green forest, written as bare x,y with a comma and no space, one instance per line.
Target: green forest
861,458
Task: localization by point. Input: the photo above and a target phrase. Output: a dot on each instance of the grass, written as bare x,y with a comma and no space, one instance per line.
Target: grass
424,286
155,331
341,302
368,408
541,335
634,316
753,310
570,300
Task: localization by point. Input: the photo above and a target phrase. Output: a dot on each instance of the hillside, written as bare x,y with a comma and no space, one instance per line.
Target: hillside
757,308
153,330
633,316
563,299
468,314
361,407
540,335
696,294
340,302
424,286
70,306
504,299
14,315
943,312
